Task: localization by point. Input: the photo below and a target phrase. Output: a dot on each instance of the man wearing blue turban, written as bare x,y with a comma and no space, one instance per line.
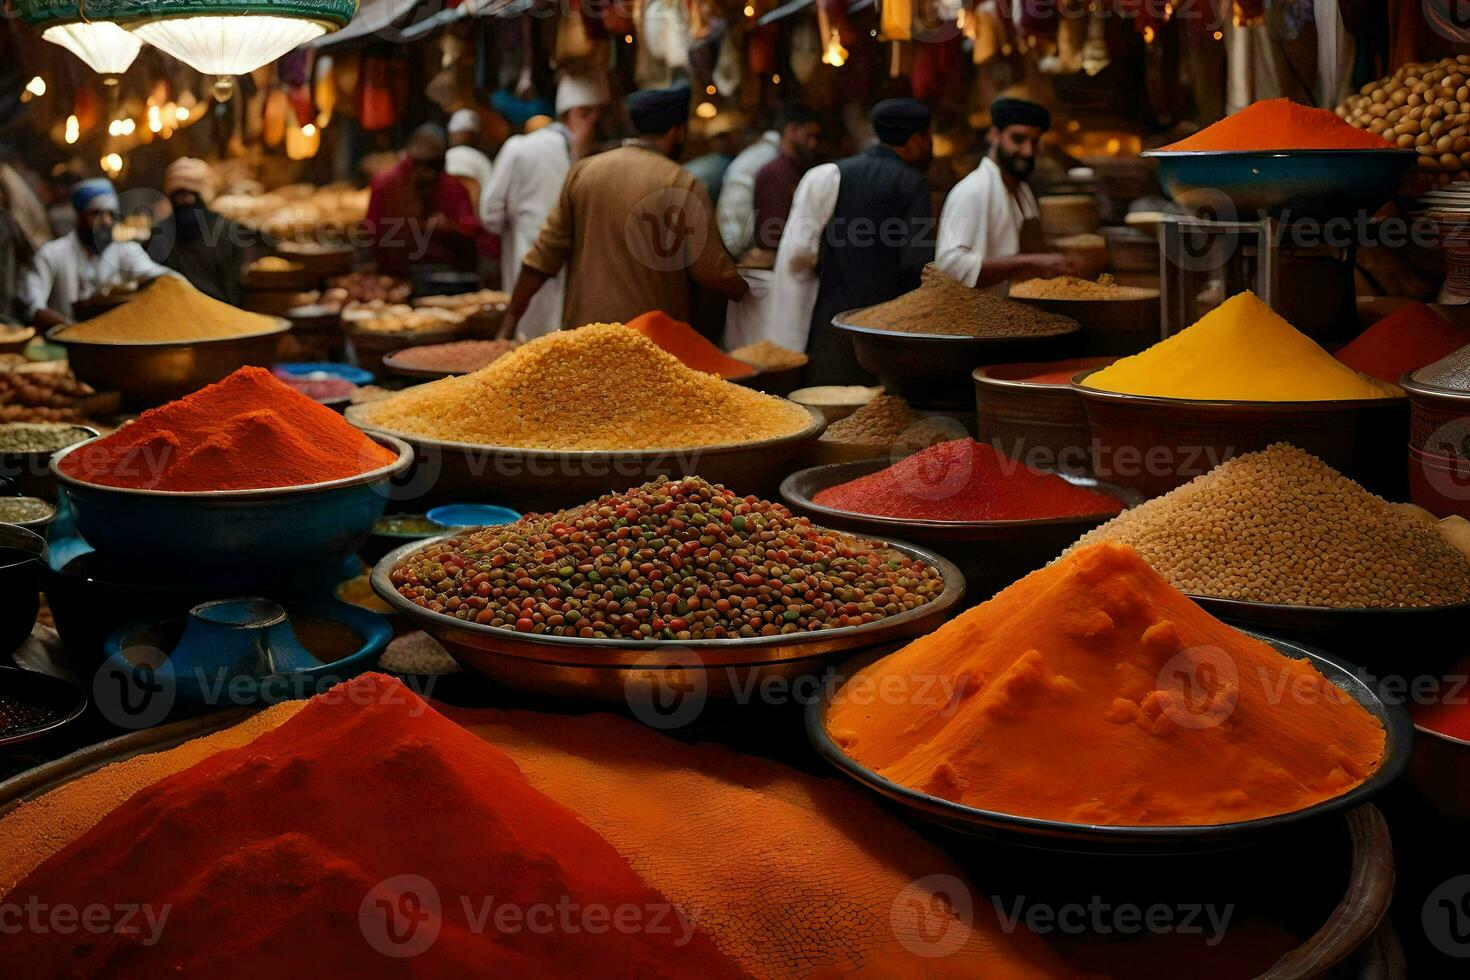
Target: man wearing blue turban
84,263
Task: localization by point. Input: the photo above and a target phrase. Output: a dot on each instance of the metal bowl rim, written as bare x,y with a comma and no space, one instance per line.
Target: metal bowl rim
1124,495
815,423
1434,392
1381,152
841,323
1431,733
953,590
1021,384
78,709
1334,404
385,472
54,336
1228,607
1398,733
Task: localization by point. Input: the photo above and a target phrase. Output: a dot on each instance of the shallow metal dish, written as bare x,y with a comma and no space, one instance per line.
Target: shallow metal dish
1306,183
543,479
151,374
991,554
31,472
1061,835
1155,444
931,369
32,687
614,670
240,535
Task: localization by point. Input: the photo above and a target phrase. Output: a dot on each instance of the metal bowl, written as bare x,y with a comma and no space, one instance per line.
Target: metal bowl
1307,183
1019,416
933,370
1062,835
543,479
1367,637
618,670
990,554
30,473
242,537
1109,326
1156,444
20,584
13,340
151,374
67,701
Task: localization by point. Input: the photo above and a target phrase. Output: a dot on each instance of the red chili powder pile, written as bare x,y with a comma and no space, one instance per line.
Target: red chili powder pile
1092,691
1281,124
248,432
688,345
298,855
1448,714
1405,340
965,480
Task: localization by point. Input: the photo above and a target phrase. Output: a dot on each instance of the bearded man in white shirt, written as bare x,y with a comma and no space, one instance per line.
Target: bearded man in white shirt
990,227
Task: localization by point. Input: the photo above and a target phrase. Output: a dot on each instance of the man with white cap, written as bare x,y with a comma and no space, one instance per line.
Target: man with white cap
525,186
204,247
464,160
84,263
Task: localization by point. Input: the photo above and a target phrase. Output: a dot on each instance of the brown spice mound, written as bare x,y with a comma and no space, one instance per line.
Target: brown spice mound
1070,287
769,356
1281,526
458,357
942,305
881,420
169,310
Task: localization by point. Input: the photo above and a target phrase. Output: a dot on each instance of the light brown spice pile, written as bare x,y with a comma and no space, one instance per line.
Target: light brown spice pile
879,422
456,357
1070,287
1281,526
602,387
942,305
169,310
769,356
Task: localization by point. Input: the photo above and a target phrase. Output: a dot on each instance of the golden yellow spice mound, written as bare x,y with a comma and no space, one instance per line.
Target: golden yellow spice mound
1239,351
599,387
169,310
1092,691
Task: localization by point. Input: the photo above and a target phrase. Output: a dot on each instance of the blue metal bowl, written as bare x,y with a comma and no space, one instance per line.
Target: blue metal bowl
1317,184
213,662
238,536
333,369
472,515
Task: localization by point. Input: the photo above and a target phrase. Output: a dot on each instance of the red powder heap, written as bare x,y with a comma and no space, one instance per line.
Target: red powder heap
1404,341
688,345
1052,378
1281,124
272,859
248,432
965,480
1448,714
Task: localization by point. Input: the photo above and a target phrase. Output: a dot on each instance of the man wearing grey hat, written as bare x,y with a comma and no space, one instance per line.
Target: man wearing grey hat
464,160
990,226
529,172
632,228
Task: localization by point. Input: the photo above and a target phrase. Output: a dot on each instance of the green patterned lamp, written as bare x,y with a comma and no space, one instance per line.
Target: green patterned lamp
104,46
217,37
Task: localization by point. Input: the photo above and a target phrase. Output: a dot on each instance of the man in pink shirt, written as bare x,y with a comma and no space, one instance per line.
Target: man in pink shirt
420,214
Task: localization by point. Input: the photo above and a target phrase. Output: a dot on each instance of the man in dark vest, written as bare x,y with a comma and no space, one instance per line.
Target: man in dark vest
876,232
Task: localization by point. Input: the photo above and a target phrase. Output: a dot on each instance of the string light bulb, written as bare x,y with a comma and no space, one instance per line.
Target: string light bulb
73,129
36,87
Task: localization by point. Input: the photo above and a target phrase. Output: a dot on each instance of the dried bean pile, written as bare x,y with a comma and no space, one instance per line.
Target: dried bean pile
670,560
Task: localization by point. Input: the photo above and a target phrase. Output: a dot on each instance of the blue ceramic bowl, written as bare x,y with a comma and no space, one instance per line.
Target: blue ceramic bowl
1316,184
472,515
218,656
346,372
234,535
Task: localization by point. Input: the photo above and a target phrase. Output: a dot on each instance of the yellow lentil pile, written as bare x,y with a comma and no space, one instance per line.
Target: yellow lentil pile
602,387
1070,287
1281,526
1423,106
169,311
769,356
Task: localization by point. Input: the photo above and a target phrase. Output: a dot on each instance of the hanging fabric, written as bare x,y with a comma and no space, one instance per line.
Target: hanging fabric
896,20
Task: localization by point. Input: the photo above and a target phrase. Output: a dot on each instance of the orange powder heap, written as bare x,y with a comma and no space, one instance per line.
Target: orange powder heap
1281,124
1092,691
688,345
248,432
289,856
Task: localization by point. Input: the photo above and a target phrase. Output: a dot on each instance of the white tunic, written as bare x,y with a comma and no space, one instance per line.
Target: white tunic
981,220
466,161
64,273
794,284
735,211
529,172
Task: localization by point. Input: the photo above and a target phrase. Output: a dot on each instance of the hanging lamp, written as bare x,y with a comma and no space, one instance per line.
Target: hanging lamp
92,36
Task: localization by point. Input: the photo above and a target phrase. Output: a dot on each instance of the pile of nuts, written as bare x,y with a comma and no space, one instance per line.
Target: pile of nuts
1423,106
